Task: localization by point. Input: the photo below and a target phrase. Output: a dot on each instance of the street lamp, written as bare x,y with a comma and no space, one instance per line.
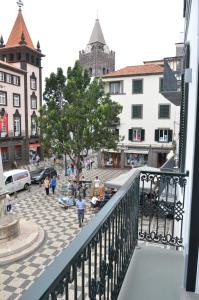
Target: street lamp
65,165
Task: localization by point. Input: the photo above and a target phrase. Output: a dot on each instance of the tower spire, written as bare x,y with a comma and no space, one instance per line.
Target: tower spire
97,35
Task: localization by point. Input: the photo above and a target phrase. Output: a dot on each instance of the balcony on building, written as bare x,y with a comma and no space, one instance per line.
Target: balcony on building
131,249
171,88
12,134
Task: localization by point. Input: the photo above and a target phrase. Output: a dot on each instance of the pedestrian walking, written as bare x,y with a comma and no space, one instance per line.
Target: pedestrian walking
81,207
72,167
53,184
47,185
91,163
8,203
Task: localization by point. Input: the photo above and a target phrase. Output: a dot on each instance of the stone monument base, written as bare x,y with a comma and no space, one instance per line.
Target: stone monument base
15,246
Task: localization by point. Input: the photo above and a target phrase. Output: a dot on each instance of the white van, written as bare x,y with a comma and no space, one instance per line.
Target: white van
16,180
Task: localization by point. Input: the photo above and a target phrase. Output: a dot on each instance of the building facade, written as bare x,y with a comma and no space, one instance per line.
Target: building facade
97,58
20,95
149,123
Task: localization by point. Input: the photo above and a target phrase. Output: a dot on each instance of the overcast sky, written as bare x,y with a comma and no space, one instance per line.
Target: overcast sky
137,30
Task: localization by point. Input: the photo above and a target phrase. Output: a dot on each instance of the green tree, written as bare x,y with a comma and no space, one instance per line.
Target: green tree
85,120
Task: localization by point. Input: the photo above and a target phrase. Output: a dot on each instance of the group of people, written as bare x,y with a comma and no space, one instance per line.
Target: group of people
99,201
50,184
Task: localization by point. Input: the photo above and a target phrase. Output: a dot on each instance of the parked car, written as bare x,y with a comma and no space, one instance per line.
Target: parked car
16,180
40,174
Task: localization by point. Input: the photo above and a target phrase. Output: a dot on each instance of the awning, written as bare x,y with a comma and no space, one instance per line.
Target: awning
34,145
136,151
111,151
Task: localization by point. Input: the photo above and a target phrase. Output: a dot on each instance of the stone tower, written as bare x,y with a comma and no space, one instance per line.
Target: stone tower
97,58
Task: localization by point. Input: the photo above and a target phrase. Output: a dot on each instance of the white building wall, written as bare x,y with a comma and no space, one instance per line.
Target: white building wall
150,99
193,39
13,89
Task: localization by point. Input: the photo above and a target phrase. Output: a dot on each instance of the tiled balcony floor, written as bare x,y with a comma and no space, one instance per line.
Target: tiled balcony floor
154,274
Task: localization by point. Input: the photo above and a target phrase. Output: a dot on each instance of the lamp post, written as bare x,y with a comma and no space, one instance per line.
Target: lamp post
65,165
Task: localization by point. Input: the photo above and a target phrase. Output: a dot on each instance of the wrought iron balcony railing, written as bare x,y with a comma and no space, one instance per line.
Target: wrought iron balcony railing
150,205
12,134
173,67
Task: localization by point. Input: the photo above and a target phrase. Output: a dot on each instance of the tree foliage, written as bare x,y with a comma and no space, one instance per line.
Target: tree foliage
85,119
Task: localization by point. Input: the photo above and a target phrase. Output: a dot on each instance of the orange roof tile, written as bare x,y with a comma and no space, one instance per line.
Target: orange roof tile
137,70
17,30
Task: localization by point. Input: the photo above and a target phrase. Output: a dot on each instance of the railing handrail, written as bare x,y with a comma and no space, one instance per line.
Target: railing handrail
52,275
167,173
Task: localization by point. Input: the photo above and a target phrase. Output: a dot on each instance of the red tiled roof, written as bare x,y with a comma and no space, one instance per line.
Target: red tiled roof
17,30
137,70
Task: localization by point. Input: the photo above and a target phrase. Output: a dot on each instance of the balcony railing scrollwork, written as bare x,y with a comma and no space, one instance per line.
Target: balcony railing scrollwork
162,198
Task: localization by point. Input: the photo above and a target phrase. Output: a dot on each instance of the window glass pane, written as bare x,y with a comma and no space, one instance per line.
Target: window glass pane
33,83
16,100
161,87
33,102
2,98
136,135
33,127
137,86
4,153
114,88
164,111
136,111
17,126
16,80
1,76
163,135
8,78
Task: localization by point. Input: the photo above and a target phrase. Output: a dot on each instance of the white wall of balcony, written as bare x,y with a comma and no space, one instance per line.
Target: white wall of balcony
193,39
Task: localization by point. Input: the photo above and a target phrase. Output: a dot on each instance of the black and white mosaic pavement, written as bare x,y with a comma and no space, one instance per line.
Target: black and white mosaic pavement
60,227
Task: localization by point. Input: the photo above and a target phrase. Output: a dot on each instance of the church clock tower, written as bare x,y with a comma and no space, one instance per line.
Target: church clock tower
97,58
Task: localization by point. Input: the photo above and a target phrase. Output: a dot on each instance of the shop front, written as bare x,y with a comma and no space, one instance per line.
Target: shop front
135,157
111,159
34,149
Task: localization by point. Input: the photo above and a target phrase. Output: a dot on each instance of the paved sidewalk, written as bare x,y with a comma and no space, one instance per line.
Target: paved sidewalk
60,227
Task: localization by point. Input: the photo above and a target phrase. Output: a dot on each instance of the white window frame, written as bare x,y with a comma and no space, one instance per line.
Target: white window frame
15,80
2,76
33,83
16,100
3,98
136,134
33,101
33,126
115,87
17,126
163,135
8,78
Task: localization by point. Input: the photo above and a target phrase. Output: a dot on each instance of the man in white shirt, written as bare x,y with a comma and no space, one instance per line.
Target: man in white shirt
80,204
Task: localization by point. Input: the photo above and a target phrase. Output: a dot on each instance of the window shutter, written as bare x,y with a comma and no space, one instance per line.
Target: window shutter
157,135
117,131
142,134
130,134
170,134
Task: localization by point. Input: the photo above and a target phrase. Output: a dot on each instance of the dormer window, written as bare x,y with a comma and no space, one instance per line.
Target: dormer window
33,82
